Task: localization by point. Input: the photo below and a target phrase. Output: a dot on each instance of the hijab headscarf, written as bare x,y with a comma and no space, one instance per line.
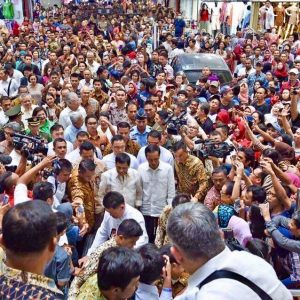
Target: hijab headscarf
244,95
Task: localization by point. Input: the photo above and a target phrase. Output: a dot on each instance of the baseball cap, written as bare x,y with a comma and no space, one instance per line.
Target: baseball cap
294,71
214,83
275,125
225,89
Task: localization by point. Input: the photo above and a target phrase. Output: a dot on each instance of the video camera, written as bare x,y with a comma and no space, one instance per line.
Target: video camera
29,146
175,123
216,149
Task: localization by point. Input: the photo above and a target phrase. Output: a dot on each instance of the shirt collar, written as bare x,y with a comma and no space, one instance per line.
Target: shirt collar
151,289
158,168
208,268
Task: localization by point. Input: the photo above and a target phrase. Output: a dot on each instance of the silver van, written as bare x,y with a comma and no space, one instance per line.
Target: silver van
193,63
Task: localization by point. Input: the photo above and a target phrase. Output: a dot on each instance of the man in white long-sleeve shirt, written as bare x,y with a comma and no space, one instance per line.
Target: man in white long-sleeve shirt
158,184
154,138
200,250
124,180
116,210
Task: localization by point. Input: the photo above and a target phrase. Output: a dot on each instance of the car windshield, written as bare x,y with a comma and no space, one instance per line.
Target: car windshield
201,61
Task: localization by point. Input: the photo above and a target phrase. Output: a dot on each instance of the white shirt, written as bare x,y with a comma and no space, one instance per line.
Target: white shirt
83,83
110,161
3,117
93,67
20,196
165,156
74,156
12,91
59,189
15,158
51,151
242,71
110,226
17,75
158,188
129,186
248,265
107,132
64,117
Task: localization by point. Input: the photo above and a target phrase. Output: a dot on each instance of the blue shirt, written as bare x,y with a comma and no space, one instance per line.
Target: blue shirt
179,26
257,77
150,292
71,132
59,267
141,138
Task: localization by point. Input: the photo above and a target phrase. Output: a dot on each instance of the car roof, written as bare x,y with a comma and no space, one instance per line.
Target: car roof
196,61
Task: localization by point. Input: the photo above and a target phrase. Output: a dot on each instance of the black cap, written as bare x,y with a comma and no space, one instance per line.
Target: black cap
33,121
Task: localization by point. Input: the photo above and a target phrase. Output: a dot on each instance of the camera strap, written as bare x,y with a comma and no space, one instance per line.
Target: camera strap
219,274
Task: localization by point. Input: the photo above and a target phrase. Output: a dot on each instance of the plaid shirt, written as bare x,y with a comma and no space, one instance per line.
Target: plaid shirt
292,264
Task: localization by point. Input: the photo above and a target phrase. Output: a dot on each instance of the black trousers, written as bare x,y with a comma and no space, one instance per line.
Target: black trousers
151,226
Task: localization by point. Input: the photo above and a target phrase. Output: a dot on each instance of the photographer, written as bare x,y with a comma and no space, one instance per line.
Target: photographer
7,146
59,178
191,134
21,189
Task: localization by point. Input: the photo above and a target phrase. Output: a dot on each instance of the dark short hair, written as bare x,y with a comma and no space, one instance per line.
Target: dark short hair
249,154
130,228
117,267
229,187
180,198
155,134
104,114
90,117
81,133
58,140
86,165
153,263
56,127
152,149
64,165
179,145
28,227
273,154
123,158
42,191
113,200
61,222
166,250
117,138
123,125
258,193
37,110
86,146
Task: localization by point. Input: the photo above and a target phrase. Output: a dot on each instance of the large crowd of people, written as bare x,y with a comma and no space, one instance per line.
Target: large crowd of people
121,179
